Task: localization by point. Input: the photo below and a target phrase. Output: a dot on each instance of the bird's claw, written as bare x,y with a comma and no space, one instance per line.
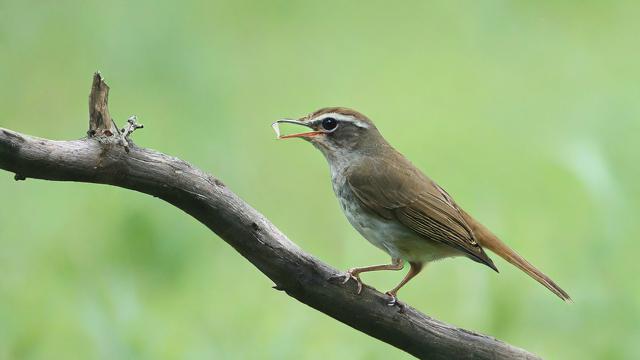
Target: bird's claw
351,275
394,300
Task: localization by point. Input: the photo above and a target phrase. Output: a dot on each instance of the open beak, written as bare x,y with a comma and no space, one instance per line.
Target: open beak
276,128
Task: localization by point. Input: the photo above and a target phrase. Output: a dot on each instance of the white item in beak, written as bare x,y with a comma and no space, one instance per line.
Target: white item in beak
276,128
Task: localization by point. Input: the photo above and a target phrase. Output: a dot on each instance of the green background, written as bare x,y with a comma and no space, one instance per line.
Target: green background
527,112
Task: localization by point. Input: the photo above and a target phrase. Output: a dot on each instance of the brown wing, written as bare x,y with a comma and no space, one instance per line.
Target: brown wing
397,190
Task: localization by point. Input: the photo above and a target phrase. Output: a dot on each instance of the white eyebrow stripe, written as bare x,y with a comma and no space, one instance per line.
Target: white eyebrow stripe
343,117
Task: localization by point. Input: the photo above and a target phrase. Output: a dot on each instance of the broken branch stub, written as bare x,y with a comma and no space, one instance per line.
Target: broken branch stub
100,121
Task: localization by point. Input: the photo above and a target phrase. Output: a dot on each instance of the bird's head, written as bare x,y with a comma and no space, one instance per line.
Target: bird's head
336,131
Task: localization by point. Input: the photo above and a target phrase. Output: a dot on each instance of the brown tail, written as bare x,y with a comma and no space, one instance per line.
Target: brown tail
488,240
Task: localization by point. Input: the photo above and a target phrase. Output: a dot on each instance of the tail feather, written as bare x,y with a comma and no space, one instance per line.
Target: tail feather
488,240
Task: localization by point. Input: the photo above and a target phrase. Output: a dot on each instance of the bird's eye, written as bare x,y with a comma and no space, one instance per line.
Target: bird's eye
329,124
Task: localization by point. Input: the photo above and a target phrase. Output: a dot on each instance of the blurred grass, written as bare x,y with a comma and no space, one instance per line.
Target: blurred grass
527,112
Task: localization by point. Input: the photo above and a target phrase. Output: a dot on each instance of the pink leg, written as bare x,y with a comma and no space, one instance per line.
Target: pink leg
354,273
413,271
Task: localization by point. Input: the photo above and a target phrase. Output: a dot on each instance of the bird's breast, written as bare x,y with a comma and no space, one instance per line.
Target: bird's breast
382,233
388,235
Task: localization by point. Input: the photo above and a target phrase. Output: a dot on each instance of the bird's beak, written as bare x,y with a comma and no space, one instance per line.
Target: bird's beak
276,128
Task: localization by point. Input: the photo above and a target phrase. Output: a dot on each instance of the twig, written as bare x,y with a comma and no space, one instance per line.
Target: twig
131,126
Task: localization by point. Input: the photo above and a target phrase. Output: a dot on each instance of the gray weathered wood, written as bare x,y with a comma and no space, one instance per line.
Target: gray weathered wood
103,159
100,121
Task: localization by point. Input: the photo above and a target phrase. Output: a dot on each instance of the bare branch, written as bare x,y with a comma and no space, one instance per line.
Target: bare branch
204,197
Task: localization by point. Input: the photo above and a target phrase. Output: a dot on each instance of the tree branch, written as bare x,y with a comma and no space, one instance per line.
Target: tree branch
103,158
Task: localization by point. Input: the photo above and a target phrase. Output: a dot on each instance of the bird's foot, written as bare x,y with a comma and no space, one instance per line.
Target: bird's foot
350,274
394,300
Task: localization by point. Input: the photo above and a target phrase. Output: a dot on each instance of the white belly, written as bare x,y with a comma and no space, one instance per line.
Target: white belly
391,236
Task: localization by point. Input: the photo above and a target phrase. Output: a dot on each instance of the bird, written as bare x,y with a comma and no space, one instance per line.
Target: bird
394,205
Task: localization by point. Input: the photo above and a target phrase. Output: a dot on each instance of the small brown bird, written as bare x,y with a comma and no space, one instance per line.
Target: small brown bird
394,205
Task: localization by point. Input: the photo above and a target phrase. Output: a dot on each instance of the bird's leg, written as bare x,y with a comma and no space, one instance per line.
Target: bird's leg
354,273
413,271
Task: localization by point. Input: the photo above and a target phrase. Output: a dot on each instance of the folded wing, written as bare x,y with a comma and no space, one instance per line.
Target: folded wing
403,193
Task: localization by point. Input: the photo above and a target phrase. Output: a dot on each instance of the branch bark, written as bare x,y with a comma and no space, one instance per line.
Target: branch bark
106,156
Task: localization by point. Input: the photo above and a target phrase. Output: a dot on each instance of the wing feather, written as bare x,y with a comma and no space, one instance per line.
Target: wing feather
398,190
